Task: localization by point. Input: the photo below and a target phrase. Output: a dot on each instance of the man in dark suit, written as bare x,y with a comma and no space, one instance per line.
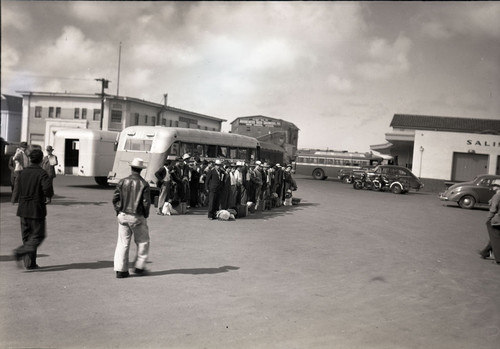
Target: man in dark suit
35,189
213,184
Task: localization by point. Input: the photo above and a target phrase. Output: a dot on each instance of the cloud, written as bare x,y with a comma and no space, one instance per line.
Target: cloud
386,60
339,84
475,20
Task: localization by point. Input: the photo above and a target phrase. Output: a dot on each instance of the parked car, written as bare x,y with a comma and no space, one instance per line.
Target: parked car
398,174
346,175
470,194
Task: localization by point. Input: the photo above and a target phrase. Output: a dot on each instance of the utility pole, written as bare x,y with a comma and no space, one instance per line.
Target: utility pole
104,84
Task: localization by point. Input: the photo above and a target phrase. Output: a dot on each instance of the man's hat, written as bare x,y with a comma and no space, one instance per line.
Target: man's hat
218,162
137,163
258,163
49,148
186,156
23,145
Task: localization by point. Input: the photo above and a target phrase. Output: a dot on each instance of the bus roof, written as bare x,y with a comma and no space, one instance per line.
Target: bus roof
341,154
192,135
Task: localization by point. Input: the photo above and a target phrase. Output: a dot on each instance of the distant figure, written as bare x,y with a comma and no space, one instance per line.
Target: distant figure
20,162
34,188
132,202
49,164
493,232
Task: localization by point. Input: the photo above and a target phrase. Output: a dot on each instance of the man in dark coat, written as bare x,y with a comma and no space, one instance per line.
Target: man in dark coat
213,184
35,189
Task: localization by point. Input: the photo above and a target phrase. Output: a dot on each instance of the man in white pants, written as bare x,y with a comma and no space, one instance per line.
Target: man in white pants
132,202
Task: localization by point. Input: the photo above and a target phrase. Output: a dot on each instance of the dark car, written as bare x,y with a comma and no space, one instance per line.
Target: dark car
347,175
398,173
474,193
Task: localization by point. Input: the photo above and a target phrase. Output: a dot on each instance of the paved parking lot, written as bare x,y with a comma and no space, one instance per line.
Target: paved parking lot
344,269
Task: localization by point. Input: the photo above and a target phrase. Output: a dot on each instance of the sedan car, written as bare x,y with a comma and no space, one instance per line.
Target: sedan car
474,193
398,173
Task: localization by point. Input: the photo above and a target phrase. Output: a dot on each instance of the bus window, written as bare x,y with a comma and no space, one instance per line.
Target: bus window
138,144
211,151
347,163
198,150
233,153
243,154
223,152
329,161
174,149
321,161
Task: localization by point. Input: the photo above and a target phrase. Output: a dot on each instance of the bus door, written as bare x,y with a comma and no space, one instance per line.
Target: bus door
71,156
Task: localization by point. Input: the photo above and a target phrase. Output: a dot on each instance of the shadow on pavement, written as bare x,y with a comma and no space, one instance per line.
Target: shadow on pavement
194,271
72,266
10,258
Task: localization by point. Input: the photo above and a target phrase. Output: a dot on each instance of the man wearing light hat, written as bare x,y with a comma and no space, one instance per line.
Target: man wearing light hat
132,202
49,164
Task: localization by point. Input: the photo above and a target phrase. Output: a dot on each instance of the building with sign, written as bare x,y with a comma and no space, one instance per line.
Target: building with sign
43,113
439,149
266,129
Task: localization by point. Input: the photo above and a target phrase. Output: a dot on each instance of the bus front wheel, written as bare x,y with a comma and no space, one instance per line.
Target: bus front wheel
318,174
102,181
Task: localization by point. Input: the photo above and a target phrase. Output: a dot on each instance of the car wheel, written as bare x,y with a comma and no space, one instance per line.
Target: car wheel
357,185
396,189
346,180
318,174
467,202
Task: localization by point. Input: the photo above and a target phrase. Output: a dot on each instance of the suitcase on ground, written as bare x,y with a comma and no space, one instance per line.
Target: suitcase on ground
241,211
156,201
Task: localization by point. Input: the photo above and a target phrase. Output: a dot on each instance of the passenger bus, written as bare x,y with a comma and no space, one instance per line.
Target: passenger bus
324,164
154,143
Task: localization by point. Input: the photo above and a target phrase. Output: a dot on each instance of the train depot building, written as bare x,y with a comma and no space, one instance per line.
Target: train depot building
439,149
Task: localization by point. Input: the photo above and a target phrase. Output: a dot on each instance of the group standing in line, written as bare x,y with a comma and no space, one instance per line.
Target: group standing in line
222,185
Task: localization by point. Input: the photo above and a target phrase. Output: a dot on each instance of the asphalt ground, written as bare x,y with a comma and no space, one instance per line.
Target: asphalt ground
343,269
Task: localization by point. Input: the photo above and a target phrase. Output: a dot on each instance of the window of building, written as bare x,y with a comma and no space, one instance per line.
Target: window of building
176,123
136,119
164,122
58,112
153,120
77,113
116,116
145,119
38,112
97,115
51,112
84,113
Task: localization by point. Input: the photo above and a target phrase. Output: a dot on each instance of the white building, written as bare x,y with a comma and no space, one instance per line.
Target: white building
43,113
439,149
12,109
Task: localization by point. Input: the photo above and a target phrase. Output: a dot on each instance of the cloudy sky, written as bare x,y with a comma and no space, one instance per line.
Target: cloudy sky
337,70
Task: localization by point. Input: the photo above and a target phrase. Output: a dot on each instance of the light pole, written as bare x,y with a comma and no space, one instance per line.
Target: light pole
104,84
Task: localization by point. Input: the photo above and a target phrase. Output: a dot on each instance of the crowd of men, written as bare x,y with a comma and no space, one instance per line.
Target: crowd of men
222,185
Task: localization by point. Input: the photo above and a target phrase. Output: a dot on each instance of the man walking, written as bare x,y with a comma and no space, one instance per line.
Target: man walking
132,202
35,189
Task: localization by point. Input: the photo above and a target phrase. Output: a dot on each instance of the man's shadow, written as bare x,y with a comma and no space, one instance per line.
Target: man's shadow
194,271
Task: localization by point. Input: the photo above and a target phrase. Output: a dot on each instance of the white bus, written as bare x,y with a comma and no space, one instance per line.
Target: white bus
85,152
154,143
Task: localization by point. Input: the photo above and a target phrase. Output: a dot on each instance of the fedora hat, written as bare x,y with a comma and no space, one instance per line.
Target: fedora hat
49,148
186,156
137,163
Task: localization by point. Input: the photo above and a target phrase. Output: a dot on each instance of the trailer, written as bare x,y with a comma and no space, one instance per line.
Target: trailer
85,153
